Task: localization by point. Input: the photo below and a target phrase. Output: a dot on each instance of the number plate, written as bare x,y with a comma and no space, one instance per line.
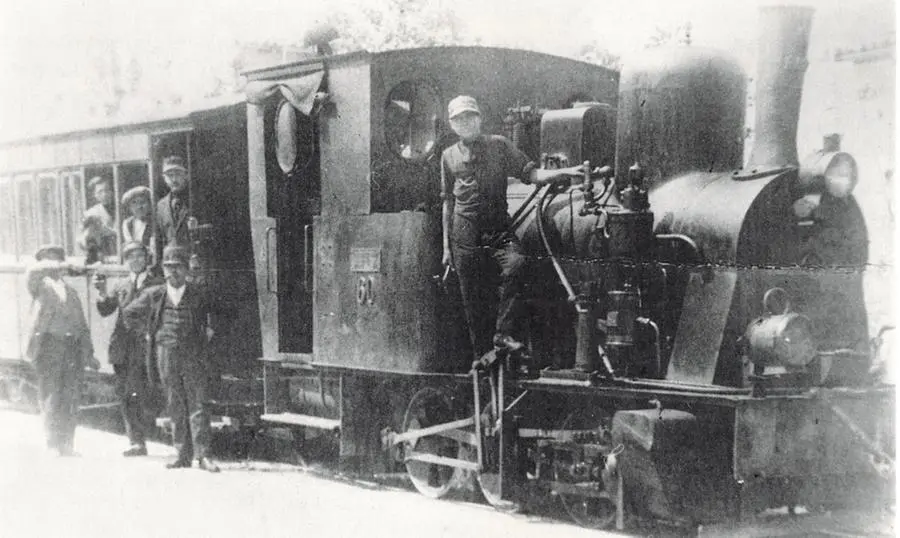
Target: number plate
365,260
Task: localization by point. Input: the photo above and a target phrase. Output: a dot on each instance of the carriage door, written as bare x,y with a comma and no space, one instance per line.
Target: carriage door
284,196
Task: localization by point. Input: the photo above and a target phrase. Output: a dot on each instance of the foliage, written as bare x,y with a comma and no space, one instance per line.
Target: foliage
396,24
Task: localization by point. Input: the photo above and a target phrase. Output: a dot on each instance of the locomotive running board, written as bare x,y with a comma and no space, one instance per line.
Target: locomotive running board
307,421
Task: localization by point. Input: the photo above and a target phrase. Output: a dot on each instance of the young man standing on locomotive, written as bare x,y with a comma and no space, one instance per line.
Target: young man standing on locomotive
474,177
173,210
128,349
175,315
59,346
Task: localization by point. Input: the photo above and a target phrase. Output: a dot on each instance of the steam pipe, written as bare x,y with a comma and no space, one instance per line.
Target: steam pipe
783,43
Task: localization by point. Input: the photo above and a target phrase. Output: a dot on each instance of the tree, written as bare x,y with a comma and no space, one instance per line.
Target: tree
668,35
595,53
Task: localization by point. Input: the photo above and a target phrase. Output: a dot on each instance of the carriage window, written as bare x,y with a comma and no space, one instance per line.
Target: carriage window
7,218
410,119
73,209
27,220
49,224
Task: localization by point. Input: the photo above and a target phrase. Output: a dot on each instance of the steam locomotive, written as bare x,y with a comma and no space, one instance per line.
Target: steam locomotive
697,344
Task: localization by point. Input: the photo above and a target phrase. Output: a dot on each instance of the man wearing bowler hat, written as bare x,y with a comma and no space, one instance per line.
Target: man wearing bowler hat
128,349
59,346
476,236
175,315
173,210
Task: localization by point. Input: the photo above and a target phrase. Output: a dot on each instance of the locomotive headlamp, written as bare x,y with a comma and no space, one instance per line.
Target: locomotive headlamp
780,338
834,172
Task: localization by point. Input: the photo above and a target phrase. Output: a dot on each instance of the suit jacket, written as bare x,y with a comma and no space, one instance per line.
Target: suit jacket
123,341
144,314
173,227
45,304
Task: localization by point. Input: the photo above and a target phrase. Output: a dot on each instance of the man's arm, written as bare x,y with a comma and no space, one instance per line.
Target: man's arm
540,176
446,216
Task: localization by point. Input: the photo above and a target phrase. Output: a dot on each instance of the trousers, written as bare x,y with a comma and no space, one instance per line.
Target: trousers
134,392
183,374
479,257
59,368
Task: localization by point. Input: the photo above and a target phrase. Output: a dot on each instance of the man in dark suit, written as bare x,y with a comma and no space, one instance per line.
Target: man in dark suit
59,346
173,210
176,316
128,349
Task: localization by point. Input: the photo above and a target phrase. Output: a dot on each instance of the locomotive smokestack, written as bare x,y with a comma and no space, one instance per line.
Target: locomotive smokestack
783,41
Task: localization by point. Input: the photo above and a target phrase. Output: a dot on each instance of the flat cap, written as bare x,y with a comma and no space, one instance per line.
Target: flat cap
133,193
175,255
462,103
47,251
173,162
96,180
131,246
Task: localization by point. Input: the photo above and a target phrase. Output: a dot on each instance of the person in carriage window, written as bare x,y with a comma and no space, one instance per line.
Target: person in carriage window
476,235
103,208
98,230
138,228
173,210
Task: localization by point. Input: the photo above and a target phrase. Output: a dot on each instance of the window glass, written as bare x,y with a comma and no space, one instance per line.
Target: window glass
49,224
7,219
28,239
73,209
410,119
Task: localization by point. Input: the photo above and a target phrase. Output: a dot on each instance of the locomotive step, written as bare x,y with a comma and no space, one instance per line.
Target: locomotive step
296,419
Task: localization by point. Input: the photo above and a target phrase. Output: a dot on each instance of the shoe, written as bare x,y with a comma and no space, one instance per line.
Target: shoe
135,450
179,464
505,341
207,465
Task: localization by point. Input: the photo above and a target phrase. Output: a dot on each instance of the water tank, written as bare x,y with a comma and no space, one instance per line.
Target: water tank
681,109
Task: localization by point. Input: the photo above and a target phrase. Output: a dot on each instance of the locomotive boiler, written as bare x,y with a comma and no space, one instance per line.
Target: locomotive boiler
697,345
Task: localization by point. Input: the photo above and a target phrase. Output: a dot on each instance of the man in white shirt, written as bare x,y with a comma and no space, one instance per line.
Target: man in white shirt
139,226
176,316
127,349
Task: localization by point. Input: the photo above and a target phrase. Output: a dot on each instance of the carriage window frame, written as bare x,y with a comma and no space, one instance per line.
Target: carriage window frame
49,211
9,250
73,208
26,221
416,138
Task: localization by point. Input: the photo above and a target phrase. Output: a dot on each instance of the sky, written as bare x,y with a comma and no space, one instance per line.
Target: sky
47,45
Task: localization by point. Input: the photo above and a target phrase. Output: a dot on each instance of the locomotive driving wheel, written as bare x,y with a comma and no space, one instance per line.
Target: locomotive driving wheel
429,407
587,481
